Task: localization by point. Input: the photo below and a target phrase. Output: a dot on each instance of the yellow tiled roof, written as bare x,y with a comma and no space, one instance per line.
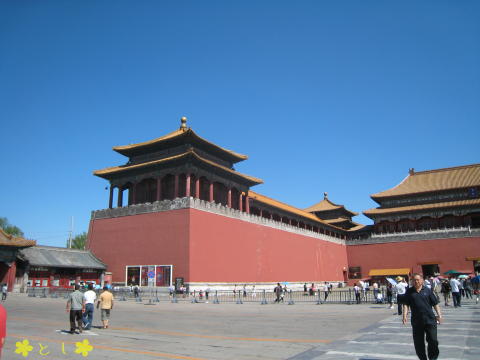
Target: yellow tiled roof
10,240
459,203
435,180
323,205
326,205
191,152
288,208
174,134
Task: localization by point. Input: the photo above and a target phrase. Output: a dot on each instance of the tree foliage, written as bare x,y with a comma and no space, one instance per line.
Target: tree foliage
79,241
9,228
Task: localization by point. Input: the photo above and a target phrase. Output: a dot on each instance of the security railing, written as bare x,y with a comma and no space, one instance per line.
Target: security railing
263,297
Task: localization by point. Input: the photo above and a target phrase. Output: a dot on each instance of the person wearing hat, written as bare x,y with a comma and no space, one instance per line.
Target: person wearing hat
400,289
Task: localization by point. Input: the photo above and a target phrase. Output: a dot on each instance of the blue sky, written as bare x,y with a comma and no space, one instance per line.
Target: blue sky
335,96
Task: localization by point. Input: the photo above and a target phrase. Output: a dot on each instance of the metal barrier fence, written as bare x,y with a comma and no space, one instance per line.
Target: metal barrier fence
156,295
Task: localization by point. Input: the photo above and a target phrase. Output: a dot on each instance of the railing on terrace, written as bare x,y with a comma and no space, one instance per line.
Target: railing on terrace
152,296
424,231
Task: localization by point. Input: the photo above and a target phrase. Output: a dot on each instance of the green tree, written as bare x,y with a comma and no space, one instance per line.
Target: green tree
9,228
79,241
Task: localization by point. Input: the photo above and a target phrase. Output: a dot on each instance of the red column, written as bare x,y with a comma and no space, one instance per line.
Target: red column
240,200
210,193
176,187
197,188
120,197
187,185
229,198
247,205
159,188
110,199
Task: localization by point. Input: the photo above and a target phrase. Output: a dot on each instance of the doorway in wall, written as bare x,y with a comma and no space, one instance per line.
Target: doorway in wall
430,270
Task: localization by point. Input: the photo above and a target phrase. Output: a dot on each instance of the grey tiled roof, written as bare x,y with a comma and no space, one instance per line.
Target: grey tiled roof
61,257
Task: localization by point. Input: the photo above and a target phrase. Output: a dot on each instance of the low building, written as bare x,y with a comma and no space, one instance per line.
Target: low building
55,267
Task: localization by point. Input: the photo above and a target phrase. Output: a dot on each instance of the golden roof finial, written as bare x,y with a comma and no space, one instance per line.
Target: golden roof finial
183,123
325,195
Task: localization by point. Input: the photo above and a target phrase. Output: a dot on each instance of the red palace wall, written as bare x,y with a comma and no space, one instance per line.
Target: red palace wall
225,249
447,253
206,247
147,239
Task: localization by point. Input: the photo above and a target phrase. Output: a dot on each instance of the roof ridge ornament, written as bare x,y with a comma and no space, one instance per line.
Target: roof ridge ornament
325,196
183,123
411,171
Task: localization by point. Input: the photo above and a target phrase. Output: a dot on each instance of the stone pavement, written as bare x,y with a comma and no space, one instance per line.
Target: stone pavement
230,331
458,335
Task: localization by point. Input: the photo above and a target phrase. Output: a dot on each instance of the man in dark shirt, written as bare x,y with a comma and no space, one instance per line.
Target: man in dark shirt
420,300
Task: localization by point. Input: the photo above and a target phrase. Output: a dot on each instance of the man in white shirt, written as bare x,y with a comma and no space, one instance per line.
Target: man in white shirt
90,296
455,285
401,289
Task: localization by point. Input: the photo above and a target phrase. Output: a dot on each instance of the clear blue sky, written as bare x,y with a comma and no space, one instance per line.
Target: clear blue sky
335,96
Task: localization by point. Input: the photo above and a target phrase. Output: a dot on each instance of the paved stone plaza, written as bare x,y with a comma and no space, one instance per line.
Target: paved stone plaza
231,331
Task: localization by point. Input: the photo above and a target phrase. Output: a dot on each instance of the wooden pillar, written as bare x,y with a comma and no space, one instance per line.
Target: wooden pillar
120,197
175,195
210,192
159,188
240,202
247,205
110,199
187,186
229,198
197,188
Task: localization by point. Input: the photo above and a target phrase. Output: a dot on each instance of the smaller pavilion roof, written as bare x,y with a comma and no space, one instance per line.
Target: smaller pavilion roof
182,133
50,256
10,240
327,205
435,180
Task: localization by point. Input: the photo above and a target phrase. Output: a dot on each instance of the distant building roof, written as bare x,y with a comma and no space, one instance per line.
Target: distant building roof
10,240
49,256
435,180
421,207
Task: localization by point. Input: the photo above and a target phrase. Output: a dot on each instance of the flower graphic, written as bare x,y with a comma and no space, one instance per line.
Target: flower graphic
83,348
23,347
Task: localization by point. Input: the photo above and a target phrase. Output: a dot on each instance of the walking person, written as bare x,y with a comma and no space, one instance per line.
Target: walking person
325,291
420,300
390,295
400,289
4,292
446,289
105,303
278,292
76,307
455,286
90,296
357,290
476,286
